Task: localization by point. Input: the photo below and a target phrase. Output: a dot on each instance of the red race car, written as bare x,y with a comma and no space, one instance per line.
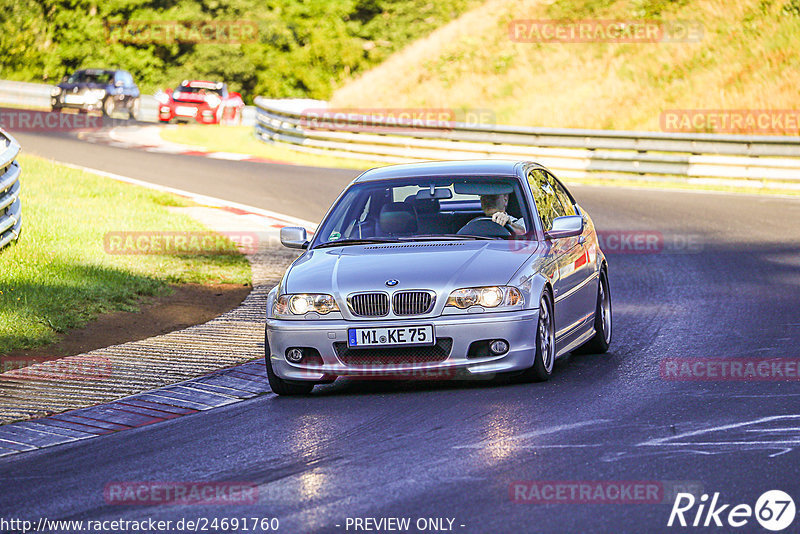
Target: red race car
200,101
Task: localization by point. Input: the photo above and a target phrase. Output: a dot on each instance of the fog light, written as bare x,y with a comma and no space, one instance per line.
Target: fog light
294,355
498,346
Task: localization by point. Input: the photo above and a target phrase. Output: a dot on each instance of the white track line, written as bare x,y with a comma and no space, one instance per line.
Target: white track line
671,440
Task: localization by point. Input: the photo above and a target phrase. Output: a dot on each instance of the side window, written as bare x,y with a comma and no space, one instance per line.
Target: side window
563,196
547,203
339,230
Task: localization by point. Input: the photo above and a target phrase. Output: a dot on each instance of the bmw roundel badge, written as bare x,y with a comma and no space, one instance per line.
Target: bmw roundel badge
392,283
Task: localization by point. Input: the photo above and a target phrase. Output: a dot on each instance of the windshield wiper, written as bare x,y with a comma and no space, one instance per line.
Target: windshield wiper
365,241
445,236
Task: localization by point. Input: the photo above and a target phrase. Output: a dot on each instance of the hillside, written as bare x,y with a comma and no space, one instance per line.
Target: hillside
748,58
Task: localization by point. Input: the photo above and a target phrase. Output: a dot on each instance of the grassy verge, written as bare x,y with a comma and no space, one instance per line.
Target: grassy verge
241,140
58,275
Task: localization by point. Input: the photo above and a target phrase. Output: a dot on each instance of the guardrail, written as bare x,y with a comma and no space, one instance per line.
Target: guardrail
762,161
10,204
23,94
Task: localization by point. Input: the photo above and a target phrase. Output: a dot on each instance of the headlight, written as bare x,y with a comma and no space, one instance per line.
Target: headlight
213,100
55,91
300,304
488,297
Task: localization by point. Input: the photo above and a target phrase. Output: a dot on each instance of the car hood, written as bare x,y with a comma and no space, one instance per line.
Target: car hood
440,266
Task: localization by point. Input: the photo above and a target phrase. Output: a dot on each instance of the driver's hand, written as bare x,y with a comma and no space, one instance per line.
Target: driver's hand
501,218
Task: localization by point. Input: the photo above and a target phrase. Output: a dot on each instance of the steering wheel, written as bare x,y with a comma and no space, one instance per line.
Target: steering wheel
482,222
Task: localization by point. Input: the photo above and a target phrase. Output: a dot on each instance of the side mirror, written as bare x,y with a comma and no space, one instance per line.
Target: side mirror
567,226
294,237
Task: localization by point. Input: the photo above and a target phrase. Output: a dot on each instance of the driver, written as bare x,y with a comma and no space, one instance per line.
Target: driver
494,206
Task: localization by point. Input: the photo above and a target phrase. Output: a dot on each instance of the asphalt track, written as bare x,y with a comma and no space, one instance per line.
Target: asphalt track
451,450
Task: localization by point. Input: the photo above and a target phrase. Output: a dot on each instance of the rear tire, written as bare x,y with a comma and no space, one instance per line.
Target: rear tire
544,359
133,111
280,386
599,343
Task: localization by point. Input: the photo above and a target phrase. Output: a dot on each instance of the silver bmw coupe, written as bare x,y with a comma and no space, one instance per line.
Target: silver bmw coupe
440,270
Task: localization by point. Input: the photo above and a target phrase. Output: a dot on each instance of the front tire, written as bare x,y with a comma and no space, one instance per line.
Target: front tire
602,320
544,359
108,106
280,386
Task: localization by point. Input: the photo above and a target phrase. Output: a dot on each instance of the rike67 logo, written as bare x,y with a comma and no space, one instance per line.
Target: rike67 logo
774,510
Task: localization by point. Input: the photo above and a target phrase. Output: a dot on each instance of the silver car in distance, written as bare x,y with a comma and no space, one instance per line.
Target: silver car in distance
411,275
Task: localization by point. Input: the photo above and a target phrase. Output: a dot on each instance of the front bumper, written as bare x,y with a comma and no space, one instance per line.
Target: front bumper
76,101
187,112
518,328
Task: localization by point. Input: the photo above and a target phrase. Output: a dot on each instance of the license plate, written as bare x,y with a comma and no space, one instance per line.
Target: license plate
186,110
73,99
391,336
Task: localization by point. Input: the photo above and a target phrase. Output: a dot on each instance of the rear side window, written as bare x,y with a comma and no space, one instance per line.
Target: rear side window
544,195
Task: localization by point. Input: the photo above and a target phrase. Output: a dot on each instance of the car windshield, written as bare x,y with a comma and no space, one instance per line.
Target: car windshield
426,208
101,77
198,90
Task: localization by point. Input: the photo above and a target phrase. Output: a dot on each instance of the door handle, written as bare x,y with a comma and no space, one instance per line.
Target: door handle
581,240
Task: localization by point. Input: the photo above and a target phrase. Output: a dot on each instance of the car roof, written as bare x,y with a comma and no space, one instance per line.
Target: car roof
96,71
491,167
202,84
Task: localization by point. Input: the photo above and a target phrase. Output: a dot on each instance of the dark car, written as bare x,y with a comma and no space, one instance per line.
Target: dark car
97,89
